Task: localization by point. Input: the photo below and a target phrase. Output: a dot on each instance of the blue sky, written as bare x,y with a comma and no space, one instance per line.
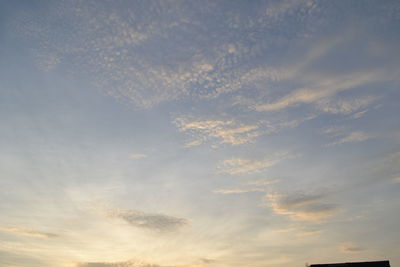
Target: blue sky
199,133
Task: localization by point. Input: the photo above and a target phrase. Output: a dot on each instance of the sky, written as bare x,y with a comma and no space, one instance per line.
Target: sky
199,133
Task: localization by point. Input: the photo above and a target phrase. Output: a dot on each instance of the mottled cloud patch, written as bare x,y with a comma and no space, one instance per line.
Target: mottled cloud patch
245,165
225,132
151,221
351,248
28,232
301,206
166,55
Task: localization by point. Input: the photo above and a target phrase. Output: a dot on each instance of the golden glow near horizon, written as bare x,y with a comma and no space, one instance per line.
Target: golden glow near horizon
199,133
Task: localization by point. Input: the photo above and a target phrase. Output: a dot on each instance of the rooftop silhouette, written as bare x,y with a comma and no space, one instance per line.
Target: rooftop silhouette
355,264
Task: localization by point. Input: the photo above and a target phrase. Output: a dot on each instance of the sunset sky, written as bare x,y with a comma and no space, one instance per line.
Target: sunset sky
199,133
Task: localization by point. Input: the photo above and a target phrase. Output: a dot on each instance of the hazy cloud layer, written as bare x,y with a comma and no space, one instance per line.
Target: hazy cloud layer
122,103
151,221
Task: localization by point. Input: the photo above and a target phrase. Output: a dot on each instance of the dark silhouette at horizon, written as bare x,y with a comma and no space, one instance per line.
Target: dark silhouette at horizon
384,263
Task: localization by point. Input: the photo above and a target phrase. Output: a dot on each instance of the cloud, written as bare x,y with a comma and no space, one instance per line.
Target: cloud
263,182
351,248
28,232
118,264
277,126
309,232
285,230
256,186
169,54
239,191
299,232
244,165
359,114
322,87
137,156
396,179
225,132
301,206
351,138
207,261
345,106
151,221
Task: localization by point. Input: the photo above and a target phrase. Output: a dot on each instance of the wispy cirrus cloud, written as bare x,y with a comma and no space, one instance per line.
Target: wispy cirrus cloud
346,106
313,232
249,187
239,190
225,132
301,206
235,166
28,232
352,137
137,156
119,264
322,87
351,248
151,221
343,136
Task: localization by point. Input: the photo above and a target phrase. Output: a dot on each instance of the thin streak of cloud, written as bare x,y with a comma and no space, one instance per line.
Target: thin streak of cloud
262,182
119,264
321,88
285,230
239,191
226,132
236,166
309,232
352,138
138,156
345,106
249,187
28,232
350,248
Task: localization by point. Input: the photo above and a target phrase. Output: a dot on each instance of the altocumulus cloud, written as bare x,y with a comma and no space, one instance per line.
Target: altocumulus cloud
151,221
301,206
